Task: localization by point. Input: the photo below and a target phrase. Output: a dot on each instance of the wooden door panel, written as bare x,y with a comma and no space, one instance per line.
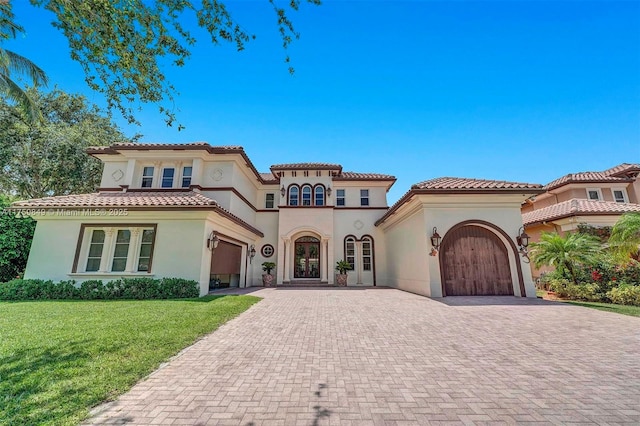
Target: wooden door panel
226,259
475,262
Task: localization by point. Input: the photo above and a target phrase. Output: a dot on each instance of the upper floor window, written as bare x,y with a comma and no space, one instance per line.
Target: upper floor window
594,194
364,197
619,195
186,176
340,197
167,177
319,195
306,195
147,177
293,195
269,200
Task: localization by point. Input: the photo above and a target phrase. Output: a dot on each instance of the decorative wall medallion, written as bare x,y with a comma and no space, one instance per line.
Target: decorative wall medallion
117,175
358,224
217,174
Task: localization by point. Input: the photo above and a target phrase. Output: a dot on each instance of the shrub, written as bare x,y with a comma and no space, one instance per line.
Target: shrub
591,292
123,288
625,294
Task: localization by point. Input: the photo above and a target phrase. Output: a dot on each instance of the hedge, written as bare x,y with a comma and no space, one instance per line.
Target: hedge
123,288
609,292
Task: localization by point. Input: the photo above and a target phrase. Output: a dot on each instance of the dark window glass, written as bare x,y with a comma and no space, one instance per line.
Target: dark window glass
167,178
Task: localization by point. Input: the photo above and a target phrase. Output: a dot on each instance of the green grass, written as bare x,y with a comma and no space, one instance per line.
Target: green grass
59,359
633,311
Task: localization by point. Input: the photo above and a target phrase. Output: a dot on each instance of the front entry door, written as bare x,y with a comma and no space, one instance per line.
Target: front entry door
307,258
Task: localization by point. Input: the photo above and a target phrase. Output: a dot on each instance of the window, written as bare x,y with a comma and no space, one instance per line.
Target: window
340,197
594,194
619,195
269,201
366,254
121,251
350,251
293,195
364,197
186,176
147,177
319,195
167,177
306,195
146,246
267,250
95,251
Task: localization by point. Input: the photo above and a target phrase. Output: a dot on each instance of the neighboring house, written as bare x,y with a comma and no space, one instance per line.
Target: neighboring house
593,198
205,213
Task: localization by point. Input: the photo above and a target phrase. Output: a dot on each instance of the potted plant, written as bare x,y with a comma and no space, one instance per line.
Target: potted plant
267,278
342,267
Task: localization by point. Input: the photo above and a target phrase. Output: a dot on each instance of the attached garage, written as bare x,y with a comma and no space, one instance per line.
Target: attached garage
226,264
475,262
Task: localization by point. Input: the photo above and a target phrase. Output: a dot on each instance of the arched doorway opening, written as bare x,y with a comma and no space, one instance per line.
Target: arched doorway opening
474,262
306,258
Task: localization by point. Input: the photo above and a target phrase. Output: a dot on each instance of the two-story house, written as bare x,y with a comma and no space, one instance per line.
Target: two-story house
593,198
206,213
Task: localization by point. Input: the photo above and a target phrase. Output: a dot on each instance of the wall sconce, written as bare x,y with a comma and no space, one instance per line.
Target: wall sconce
251,253
329,191
523,241
283,191
212,241
435,241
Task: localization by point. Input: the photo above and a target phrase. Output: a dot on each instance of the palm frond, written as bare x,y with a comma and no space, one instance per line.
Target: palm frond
10,90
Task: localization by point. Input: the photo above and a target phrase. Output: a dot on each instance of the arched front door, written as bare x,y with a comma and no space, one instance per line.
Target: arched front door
475,263
307,258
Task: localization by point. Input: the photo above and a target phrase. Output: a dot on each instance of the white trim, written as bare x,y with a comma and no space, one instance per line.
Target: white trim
625,197
108,250
598,191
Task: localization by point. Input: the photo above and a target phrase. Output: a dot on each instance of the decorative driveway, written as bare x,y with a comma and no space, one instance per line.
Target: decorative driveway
386,357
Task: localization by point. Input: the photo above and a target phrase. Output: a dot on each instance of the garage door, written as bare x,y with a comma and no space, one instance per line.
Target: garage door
226,259
475,263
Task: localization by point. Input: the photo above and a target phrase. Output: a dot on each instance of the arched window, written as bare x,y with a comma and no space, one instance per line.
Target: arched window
367,253
293,195
319,195
306,195
350,251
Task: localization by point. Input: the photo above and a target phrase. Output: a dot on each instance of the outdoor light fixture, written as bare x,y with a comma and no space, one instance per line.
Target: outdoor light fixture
329,192
283,191
435,238
251,252
523,241
212,241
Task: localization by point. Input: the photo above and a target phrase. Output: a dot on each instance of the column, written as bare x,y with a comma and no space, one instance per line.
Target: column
128,177
285,256
107,250
324,257
132,256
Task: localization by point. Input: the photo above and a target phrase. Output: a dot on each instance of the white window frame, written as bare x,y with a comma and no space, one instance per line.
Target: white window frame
173,178
109,246
625,197
342,197
153,170
364,197
267,200
183,176
598,191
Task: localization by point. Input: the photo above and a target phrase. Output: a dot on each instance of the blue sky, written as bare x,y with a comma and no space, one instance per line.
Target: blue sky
510,90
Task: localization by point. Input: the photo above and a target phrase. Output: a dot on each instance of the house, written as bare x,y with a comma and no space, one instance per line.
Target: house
206,213
592,198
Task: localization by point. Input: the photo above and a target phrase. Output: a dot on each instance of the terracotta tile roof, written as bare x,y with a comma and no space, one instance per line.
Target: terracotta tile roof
301,166
622,169
148,200
576,207
363,176
268,177
452,183
121,199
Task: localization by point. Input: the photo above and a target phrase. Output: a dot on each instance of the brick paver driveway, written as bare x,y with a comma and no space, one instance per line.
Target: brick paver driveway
383,356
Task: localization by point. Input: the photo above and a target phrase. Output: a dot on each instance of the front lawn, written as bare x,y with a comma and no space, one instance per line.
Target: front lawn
633,311
59,359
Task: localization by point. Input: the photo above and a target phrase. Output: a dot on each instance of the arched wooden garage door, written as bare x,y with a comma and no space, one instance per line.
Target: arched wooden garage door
474,262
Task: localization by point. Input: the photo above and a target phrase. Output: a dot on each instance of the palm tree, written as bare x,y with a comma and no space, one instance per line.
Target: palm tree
565,252
625,237
12,63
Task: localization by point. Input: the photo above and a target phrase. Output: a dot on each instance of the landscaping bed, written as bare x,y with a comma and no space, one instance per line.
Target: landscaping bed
60,358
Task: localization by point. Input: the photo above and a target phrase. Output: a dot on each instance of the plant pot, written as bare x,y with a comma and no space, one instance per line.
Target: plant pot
267,280
341,280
